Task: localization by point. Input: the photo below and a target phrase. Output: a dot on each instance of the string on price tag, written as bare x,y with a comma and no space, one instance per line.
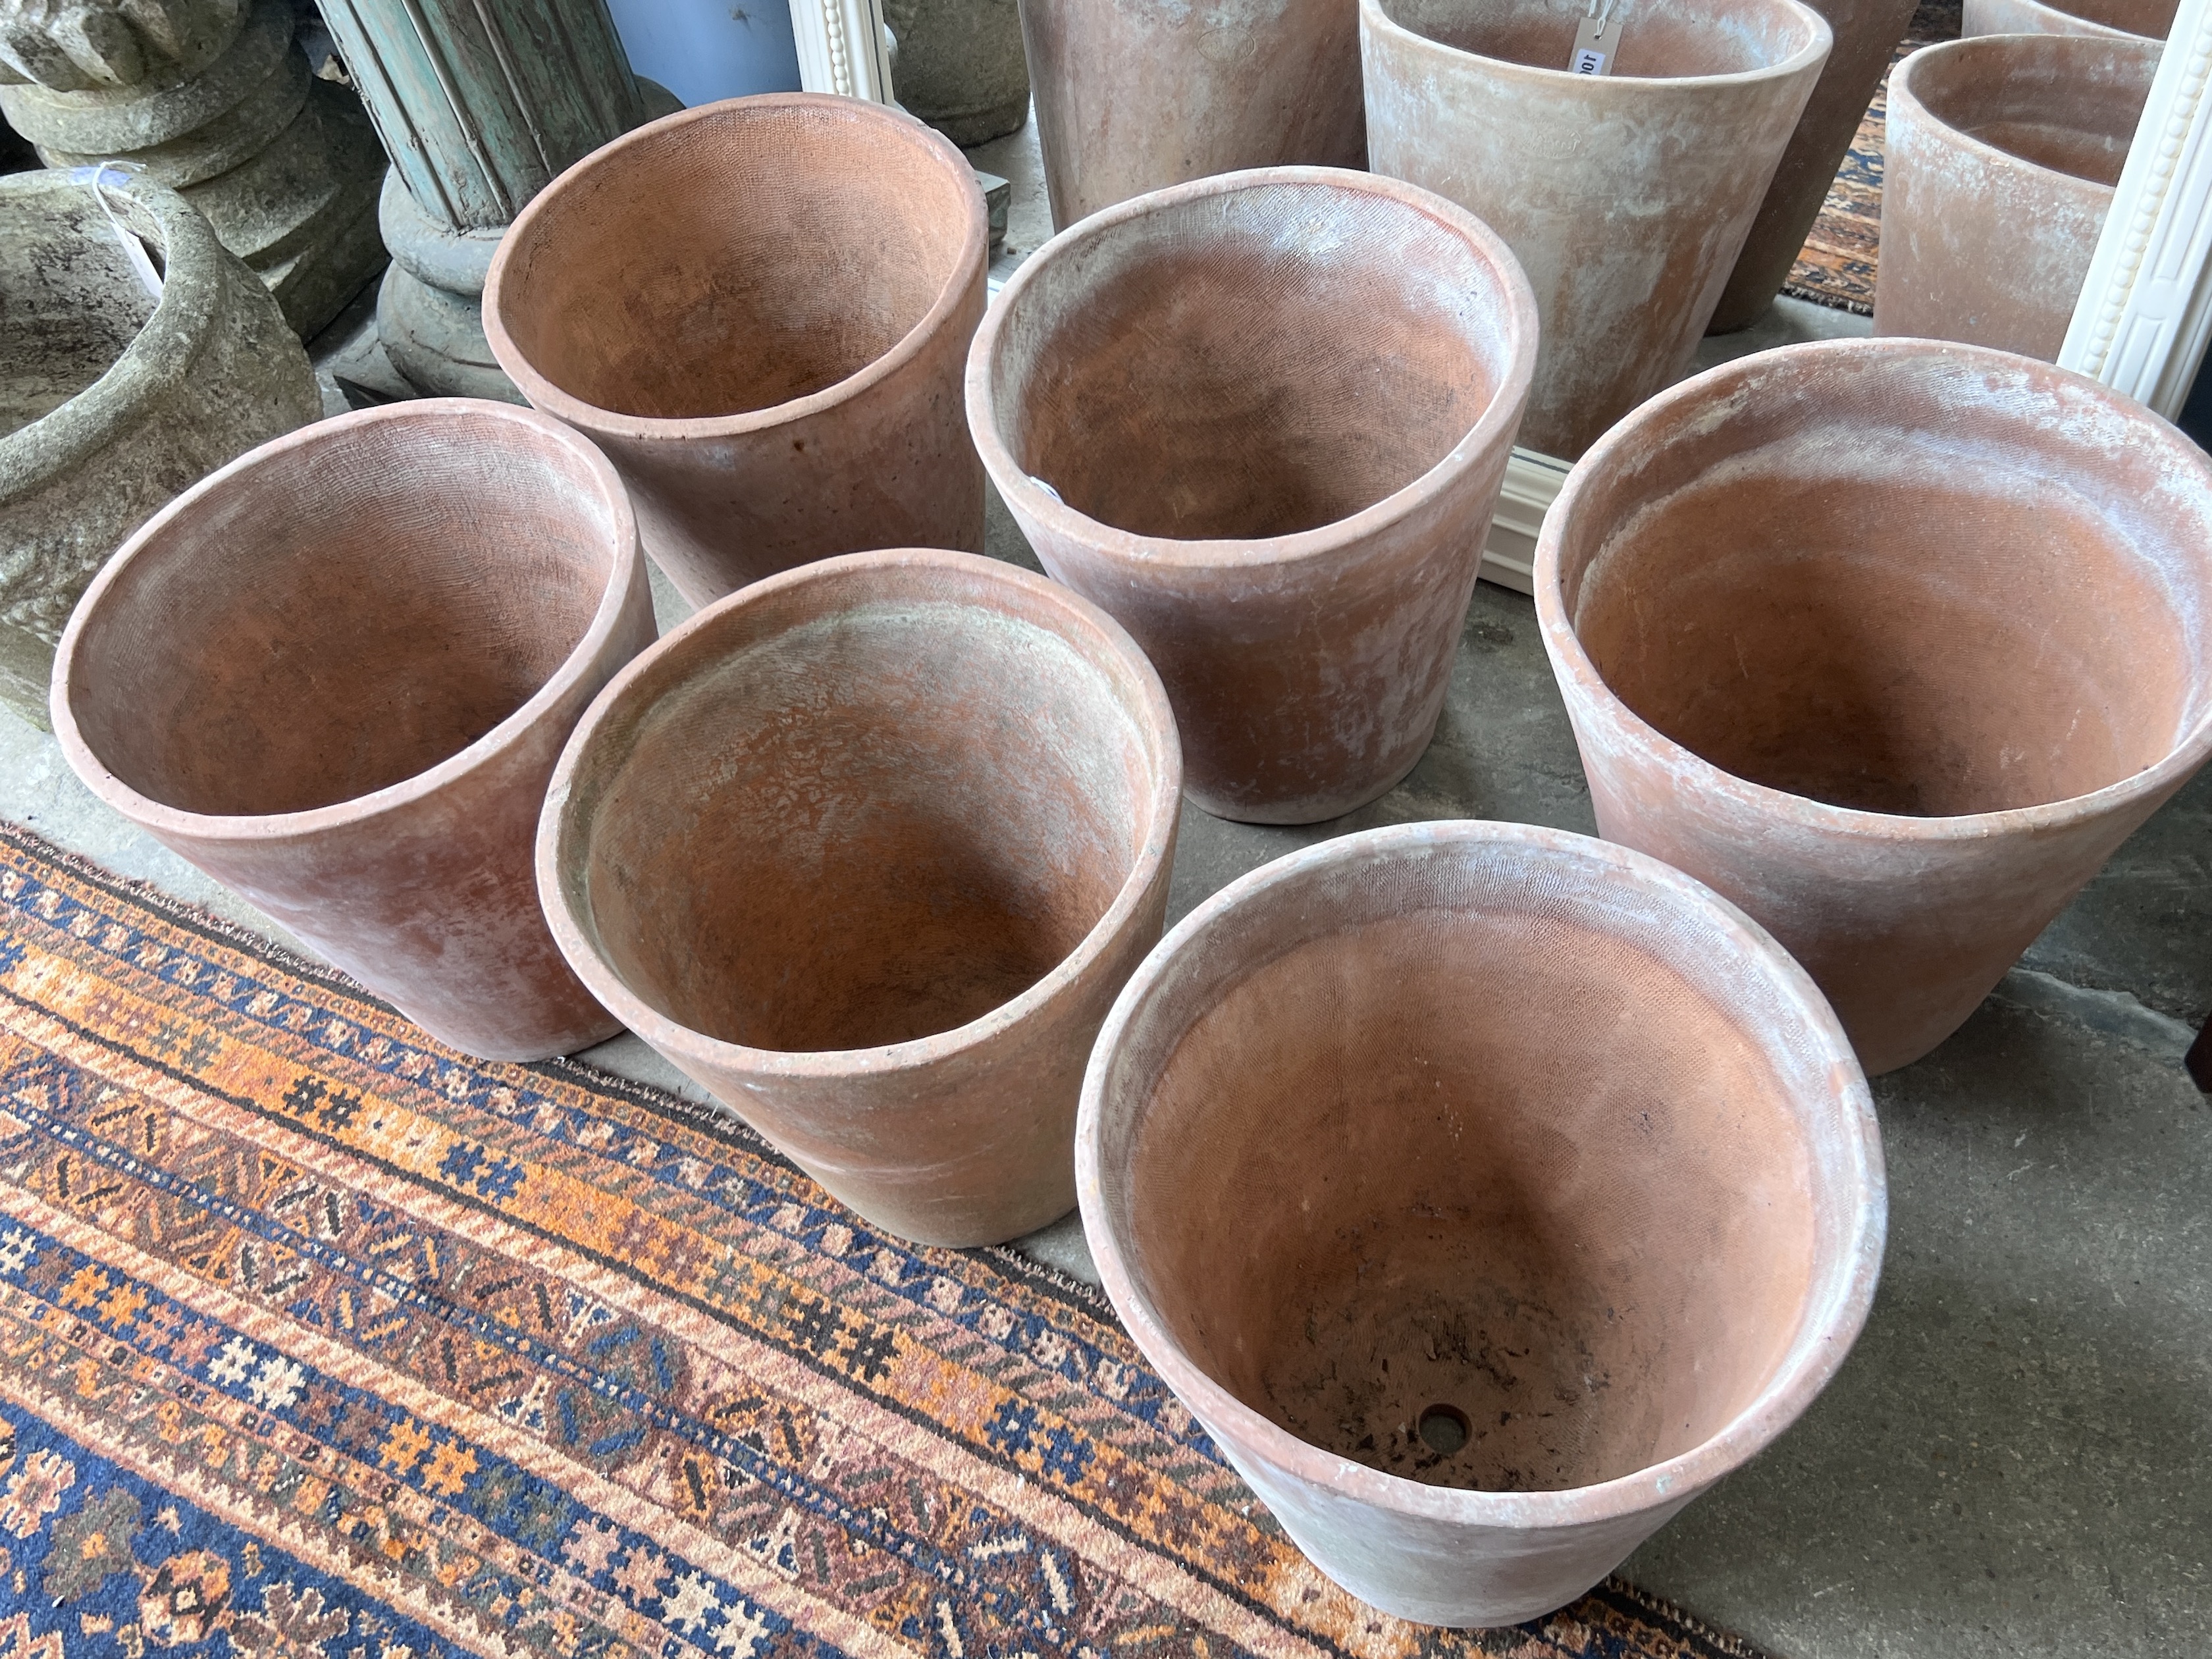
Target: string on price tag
97,179
1597,40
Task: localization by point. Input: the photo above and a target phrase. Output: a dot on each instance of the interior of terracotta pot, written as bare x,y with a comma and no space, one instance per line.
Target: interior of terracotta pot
865,813
1461,1173
1249,363
1652,39
70,302
2152,19
1897,585
2066,102
345,613
735,261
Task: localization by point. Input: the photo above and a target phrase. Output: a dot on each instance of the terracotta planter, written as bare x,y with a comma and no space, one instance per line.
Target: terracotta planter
112,401
2002,156
1283,491
2148,19
1625,196
336,676
1134,96
1891,642
1487,1192
883,925
759,309
1866,34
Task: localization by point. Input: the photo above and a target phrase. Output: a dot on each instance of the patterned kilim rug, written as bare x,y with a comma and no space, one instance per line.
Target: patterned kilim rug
1836,267
320,1342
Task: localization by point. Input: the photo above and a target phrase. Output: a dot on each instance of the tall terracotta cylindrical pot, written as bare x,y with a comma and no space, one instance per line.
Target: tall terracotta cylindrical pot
1487,1192
1627,196
759,309
1262,419
2001,161
1134,96
1866,34
866,849
1892,642
2148,20
336,676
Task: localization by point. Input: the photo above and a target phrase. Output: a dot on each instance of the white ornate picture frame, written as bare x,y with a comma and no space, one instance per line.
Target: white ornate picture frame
2146,308
842,48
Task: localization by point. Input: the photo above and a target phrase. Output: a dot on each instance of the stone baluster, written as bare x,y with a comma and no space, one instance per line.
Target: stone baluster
480,104
214,99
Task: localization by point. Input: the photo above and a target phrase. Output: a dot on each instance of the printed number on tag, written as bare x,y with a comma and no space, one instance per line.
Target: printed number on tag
1596,41
1589,62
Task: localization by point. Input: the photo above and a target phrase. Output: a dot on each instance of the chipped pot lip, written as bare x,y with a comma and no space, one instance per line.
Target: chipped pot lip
1904,93
1589,694
1833,1315
559,825
626,561
1500,414
966,275
163,350
1617,88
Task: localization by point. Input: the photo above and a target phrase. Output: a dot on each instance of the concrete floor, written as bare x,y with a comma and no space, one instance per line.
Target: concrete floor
2017,1459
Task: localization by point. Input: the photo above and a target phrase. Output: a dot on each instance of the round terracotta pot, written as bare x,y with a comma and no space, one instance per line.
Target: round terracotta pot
2148,19
336,675
1487,1192
1134,96
1272,457
2001,161
759,309
1627,196
1866,34
1892,642
868,850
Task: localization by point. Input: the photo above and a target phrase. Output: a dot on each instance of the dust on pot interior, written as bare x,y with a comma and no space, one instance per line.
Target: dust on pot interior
336,676
759,309
1134,96
1626,196
868,850
1262,419
2002,156
1488,1193
1893,643
2149,20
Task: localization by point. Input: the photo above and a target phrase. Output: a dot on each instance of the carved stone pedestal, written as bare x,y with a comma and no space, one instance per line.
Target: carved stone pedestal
213,99
480,103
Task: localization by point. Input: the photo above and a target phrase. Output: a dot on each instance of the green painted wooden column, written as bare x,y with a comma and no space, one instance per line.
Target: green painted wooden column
480,103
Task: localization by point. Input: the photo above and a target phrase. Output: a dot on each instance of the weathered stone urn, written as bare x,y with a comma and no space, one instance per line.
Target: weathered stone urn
2001,158
2149,20
1893,643
1625,196
214,99
961,66
111,400
1488,1193
1133,96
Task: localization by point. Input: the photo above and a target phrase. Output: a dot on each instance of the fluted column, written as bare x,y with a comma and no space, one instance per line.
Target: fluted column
480,103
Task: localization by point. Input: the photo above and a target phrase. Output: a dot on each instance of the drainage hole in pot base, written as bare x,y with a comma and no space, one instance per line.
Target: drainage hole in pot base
1443,1429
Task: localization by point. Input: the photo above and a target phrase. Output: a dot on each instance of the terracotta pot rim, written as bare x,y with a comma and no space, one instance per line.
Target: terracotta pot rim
1571,662
1806,1367
1616,89
2089,26
967,270
1902,90
1322,541
163,820
572,932
167,344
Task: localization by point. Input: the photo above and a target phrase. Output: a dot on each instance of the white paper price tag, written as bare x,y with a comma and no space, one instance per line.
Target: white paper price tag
1597,38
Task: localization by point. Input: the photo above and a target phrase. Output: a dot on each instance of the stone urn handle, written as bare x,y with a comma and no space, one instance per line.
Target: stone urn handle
84,45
